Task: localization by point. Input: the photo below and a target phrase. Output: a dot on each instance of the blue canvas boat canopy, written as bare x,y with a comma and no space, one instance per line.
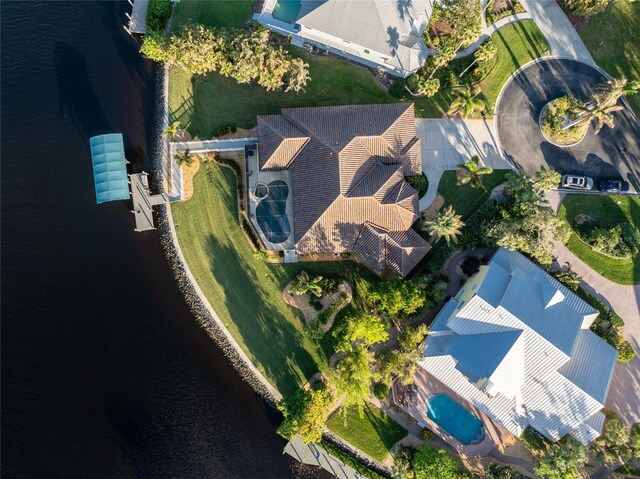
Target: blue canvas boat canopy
109,168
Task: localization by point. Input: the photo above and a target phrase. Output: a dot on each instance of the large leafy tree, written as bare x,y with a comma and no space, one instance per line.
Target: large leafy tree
432,463
546,179
396,298
244,56
562,460
466,101
305,413
402,363
473,173
353,375
447,225
525,222
362,330
618,441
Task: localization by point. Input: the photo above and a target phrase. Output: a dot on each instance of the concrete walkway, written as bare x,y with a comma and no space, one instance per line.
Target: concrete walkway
624,393
564,41
446,143
206,146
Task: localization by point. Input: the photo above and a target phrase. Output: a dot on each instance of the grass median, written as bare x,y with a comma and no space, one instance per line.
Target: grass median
607,210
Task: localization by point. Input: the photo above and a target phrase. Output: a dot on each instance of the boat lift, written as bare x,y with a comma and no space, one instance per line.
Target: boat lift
112,182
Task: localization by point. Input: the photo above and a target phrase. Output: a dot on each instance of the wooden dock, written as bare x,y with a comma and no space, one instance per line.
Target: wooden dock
138,19
143,201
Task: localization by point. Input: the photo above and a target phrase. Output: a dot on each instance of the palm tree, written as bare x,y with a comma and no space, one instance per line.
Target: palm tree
184,158
304,284
473,173
447,225
171,130
466,102
609,93
600,112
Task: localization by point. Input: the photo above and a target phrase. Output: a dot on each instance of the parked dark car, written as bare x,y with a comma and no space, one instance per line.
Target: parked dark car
613,186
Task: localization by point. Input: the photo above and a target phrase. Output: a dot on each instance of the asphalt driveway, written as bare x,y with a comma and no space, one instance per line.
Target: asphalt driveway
614,153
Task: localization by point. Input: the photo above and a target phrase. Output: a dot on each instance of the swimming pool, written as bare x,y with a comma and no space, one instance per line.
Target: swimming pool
286,10
455,419
271,211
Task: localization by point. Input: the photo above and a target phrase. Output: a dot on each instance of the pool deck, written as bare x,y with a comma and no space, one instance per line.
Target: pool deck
412,400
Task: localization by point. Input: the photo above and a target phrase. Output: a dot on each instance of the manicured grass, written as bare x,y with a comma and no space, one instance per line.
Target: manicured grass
605,209
374,433
613,38
221,14
205,104
466,199
518,43
246,292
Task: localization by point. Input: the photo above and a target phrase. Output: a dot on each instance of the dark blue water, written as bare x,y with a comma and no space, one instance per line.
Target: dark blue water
105,373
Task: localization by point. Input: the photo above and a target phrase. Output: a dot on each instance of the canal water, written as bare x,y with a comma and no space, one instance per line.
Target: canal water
105,372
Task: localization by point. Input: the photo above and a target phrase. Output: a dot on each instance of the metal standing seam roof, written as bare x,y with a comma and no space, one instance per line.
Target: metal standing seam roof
109,168
392,28
567,368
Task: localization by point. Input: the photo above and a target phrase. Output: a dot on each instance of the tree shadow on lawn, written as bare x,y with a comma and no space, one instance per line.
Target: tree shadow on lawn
274,342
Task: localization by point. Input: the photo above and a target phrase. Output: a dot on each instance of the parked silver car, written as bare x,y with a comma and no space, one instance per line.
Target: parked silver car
577,182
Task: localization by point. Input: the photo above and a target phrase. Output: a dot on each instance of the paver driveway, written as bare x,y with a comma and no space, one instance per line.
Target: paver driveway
614,153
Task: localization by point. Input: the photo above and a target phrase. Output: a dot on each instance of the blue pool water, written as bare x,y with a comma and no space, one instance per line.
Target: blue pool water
271,211
286,10
455,419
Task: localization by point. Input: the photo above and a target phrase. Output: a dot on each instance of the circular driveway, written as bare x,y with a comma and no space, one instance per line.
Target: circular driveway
613,153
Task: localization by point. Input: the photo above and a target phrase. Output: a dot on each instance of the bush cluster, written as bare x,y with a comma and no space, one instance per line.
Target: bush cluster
245,57
419,183
225,130
617,241
158,14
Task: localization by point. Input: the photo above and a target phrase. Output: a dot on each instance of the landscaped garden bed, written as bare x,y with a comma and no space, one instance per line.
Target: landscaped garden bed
607,211
517,44
556,115
498,9
320,302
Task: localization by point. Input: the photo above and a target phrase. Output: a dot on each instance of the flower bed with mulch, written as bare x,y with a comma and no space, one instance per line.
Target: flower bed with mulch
313,316
555,114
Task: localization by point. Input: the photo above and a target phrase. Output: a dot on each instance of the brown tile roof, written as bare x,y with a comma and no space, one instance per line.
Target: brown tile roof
347,168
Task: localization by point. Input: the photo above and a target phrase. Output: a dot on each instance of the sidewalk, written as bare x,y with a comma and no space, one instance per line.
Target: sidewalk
564,41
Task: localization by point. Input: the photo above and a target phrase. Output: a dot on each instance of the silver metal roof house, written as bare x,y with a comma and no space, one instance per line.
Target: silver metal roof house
516,344
383,34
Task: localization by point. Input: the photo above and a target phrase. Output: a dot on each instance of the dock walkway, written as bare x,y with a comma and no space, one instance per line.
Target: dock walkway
205,146
138,19
143,201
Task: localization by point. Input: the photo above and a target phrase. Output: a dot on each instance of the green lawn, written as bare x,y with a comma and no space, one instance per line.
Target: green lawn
607,210
518,43
374,433
205,104
466,199
246,292
222,13
613,38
